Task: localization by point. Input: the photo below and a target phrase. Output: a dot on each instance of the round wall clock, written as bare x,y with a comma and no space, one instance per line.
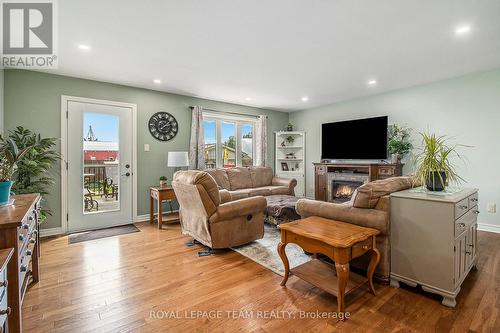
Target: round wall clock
163,126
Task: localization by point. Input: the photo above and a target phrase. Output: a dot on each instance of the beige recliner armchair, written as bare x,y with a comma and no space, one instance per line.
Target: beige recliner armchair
369,207
210,220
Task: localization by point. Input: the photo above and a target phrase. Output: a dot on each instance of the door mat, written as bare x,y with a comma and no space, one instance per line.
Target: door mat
102,233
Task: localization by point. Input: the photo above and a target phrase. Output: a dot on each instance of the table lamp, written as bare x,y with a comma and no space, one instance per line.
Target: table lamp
177,159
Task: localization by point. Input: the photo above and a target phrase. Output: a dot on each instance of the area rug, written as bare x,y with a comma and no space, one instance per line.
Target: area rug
263,251
102,233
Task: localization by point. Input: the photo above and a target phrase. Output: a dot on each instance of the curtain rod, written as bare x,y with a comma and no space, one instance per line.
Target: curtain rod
228,112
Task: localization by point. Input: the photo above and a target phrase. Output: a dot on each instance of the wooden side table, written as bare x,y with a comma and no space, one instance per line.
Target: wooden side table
340,242
160,194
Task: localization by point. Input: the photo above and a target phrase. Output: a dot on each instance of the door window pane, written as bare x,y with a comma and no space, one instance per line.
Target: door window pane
210,133
101,154
246,133
228,136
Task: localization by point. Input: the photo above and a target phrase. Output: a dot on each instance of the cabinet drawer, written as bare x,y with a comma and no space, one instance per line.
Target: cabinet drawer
461,207
460,227
473,200
321,170
3,307
386,171
361,248
465,221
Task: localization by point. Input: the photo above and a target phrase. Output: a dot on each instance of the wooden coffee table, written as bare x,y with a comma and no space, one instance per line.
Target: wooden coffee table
340,242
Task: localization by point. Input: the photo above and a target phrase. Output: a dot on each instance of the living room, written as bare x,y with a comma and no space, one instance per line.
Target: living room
221,166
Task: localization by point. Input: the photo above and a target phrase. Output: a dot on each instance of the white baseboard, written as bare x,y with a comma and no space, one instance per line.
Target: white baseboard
50,232
489,227
58,231
141,218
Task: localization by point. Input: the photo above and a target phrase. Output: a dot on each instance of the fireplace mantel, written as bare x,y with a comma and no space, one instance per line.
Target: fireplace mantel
324,172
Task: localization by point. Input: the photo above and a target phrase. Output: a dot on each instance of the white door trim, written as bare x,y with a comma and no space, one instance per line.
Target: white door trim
64,150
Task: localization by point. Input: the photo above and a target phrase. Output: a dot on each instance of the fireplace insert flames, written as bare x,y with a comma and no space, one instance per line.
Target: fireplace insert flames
342,190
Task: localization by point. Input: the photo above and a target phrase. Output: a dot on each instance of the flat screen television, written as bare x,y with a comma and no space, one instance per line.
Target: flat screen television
360,139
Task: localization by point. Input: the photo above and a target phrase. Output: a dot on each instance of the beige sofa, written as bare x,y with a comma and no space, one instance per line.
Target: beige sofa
247,182
369,207
210,220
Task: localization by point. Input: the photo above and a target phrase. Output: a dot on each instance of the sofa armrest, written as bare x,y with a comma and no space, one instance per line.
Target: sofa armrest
370,218
225,196
288,182
242,207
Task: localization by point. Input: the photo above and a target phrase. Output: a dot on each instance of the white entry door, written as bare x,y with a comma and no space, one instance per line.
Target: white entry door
99,170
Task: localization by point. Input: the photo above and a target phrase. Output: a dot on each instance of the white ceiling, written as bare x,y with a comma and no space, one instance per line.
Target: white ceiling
276,52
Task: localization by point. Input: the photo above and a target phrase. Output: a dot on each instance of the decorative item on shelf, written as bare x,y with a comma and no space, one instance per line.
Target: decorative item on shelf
399,142
283,144
435,167
297,166
178,160
284,166
33,173
290,139
163,181
289,127
290,156
10,156
293,169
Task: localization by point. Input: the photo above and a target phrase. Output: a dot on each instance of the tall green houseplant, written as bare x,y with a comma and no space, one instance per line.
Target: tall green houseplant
33,171
435,162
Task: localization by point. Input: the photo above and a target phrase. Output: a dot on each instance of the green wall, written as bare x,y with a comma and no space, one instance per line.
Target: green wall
466,109
33,100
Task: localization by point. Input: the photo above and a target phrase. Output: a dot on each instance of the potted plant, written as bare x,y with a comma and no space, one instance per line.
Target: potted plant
163,181
10,155
435,162
399,142
33,173
289,127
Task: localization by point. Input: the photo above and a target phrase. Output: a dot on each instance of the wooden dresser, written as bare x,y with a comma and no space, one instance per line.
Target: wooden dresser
19,230
434,240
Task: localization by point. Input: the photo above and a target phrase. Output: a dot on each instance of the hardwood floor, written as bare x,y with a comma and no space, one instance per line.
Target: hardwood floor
123,283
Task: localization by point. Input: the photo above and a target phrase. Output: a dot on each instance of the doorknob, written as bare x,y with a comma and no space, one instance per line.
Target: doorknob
127,166
126,174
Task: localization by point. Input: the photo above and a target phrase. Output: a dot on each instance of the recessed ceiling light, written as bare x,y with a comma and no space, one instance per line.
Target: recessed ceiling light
248,99
157,81
84,47
462,30
372,82
304,99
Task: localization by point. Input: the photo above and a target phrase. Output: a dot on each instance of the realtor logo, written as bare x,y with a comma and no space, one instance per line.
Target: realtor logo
28,30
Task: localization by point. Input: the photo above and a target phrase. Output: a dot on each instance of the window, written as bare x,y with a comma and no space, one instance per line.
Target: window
228,141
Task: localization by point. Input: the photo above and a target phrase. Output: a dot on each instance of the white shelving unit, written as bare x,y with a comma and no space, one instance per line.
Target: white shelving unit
290,151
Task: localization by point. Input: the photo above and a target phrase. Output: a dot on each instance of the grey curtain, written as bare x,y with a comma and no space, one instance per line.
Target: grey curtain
261,141
197,142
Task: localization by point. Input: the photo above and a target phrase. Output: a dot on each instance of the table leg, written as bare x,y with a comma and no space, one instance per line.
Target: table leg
160,213
342,279
375,259
282,254
151,208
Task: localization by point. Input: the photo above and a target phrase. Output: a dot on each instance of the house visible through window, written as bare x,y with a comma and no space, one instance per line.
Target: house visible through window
228,141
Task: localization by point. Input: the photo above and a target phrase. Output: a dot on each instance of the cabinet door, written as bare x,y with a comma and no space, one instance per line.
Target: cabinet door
460,257
300,188
472,243
320,183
